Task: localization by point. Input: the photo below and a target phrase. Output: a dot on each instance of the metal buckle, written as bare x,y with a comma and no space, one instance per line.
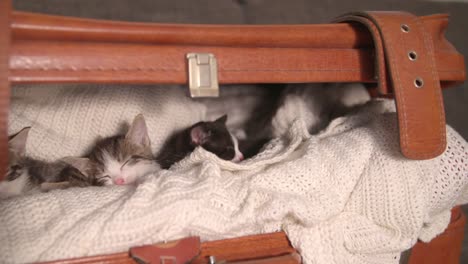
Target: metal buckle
203,75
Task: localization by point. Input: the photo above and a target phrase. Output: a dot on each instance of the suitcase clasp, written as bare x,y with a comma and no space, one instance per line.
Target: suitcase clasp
203,75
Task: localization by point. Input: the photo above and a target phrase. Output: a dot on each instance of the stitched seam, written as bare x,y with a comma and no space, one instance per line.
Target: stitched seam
434,17
459,71
298,70
175,70
87,69
149,69
436,95
446,50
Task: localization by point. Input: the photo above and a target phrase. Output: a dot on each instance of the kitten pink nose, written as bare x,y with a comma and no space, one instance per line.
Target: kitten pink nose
238,158
119,181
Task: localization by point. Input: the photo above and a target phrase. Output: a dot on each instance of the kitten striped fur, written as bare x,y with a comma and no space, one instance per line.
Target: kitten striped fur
26,174
124,159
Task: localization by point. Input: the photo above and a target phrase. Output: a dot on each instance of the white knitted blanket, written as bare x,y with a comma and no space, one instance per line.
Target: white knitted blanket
67,119
344,196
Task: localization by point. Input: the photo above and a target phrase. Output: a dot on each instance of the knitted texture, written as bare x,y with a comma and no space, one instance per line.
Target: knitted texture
346,195
67,119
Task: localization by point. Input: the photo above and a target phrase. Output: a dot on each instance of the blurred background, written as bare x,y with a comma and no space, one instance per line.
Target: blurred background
273,12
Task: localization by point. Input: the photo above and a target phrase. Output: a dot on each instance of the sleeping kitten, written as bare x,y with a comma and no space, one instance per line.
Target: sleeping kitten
124,159
26,174
317,104
212,136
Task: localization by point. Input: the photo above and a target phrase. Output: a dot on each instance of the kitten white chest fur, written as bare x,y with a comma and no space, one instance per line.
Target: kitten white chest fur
238,154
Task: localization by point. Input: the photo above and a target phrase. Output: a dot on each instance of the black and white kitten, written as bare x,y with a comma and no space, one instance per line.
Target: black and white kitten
317,104
124,159
26,174
212,136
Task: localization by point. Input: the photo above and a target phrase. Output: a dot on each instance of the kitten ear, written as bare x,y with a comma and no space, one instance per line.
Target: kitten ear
81,164
17,143
138,132
222,119
198,135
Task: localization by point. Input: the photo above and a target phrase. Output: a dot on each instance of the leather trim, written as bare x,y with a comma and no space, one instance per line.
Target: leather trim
42,61
245,248
61,49
35,26
117,258
5,8
293,258
175,252
273,247
446,247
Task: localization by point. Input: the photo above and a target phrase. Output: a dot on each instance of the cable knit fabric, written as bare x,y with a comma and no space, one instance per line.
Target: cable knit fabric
346,195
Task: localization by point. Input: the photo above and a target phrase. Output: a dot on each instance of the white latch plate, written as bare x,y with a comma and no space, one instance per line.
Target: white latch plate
203,75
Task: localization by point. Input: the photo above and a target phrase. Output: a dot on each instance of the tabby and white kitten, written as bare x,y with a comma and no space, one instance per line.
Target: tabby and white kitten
26,174
213,136
124,159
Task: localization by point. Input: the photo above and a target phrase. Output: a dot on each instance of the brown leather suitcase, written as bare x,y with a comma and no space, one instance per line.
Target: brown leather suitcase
396,53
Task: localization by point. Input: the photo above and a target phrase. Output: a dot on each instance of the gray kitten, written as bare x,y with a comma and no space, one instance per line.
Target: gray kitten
124,159
26,174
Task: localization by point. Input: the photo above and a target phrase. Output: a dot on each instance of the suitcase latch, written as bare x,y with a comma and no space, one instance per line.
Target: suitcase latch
203,75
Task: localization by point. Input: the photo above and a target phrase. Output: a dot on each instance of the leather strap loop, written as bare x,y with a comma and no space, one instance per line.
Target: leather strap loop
410,65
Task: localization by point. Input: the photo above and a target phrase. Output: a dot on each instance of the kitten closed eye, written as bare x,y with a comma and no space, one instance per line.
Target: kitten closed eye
124,159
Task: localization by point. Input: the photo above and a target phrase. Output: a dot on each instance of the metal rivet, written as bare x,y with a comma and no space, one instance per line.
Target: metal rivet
418,83
412,55
405,28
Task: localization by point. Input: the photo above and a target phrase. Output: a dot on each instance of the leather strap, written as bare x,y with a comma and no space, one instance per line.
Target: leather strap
5,7
405,49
